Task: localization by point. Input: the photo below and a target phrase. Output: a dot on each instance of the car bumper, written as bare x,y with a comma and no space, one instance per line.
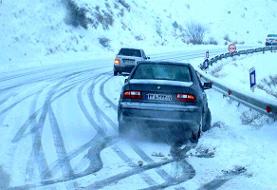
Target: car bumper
125,68
161,117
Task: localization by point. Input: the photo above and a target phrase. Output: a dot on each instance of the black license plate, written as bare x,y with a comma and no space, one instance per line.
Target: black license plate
159,97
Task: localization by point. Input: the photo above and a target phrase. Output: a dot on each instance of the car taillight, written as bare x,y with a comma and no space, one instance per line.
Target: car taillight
186,97
132,94
117,61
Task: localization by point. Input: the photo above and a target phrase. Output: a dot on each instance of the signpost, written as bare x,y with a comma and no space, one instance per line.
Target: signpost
206,61
252,78
207,54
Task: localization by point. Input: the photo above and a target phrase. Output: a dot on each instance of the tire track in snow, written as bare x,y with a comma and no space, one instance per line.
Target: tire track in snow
37,148
137,170
222,179
103,140
100,115
102,132
37,151
57,137
33,116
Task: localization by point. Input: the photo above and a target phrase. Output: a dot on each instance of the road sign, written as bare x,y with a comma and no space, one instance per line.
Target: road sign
252,78
232,48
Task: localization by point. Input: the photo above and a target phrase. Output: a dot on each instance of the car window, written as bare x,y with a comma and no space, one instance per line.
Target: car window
163,72
143,54
130,52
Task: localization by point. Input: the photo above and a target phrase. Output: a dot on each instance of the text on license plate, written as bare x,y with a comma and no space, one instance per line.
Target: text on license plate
161,97
129,62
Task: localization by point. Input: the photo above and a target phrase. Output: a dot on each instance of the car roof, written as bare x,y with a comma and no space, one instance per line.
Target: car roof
130,49
164,62
272,35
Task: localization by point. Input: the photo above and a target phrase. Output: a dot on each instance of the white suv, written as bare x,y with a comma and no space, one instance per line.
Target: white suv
127,59
271,40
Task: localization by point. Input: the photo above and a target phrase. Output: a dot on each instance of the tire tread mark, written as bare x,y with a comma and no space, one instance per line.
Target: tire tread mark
115,148
33,116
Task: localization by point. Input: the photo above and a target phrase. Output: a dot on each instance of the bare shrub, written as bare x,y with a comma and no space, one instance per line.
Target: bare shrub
195,33
139,38
104,18
254,118
227,38
76,15
124,4
212,41
81,16
105,42
269,85
175,25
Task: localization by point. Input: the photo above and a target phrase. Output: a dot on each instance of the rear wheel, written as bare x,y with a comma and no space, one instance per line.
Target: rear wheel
208,119
196,135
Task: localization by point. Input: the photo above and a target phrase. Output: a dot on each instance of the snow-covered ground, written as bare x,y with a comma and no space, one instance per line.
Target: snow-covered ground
58,130
58,97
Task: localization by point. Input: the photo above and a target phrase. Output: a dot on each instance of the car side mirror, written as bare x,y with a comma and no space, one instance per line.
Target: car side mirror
207,85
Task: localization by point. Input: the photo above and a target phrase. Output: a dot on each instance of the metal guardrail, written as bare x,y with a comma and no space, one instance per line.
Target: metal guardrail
238,53
262,105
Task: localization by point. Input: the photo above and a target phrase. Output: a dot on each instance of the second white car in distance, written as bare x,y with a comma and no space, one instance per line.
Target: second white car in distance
127,59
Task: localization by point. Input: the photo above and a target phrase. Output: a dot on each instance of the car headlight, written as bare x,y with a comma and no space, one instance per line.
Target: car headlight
117,61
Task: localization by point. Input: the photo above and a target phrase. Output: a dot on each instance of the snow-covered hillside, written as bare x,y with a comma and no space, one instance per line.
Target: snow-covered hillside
32,30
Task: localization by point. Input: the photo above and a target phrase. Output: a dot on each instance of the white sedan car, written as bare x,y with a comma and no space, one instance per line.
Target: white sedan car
127,59
271,40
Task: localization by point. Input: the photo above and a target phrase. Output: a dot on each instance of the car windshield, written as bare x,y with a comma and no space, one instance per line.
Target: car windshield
130,52
163,72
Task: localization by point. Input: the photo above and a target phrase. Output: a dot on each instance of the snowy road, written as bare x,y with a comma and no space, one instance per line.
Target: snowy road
58,128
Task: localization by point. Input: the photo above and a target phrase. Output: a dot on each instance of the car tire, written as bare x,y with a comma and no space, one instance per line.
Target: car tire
208,119
195,136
